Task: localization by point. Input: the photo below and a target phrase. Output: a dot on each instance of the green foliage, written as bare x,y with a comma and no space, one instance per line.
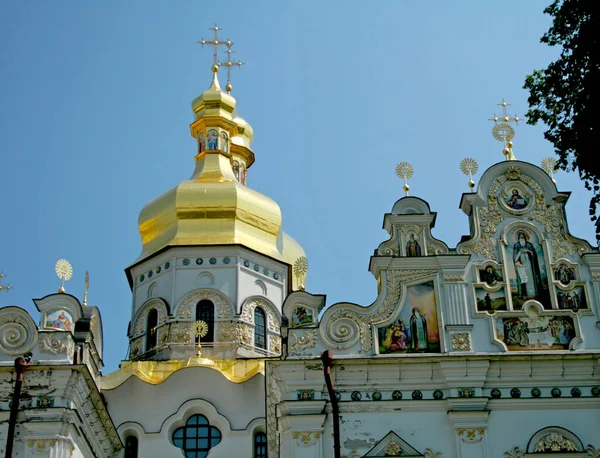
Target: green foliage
565,96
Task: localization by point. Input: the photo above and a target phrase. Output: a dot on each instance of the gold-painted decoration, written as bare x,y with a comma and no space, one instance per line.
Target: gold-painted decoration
3,287
300,268
503,131
156,372
215,43
87,287
469,167
200,330
64,271
405,172
549,166
553,443
229,64
461,341
393,449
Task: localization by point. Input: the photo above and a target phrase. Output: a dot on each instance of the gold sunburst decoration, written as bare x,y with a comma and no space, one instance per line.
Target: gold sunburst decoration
469,167
200,328
300,269
503,132
405,171
64,271
549,166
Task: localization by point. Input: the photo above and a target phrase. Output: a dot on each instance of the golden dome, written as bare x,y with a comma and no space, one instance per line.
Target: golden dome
213,207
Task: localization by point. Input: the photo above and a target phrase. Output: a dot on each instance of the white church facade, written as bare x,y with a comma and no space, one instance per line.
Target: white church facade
489,349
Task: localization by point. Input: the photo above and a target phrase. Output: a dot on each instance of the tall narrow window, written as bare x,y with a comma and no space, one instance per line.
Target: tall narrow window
205,311
260,445
260,337
151,322
131,447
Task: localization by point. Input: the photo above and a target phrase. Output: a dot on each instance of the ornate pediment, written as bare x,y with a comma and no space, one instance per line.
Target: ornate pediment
392,445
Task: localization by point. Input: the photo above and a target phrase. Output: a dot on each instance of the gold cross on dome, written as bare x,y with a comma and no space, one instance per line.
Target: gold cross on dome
215,43
503,131
229,64
6,287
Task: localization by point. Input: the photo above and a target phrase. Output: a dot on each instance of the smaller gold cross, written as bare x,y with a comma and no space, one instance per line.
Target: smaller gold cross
6,287
215,43
229,64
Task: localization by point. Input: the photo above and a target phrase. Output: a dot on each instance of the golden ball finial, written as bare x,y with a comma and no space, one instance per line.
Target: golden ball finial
229,87
509,144
406,188
471,184
215,68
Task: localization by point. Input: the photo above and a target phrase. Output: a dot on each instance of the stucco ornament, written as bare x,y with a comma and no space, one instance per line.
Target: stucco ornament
48,343
471,434
306,438
140,317
461,341
302,340
275,344
431,454
516,452
223,305
17,333
41,445
393,449
554,442
273,315
349,324
180,333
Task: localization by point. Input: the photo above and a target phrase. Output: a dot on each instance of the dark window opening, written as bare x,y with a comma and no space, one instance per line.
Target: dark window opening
260,336
151,323
131,447
205,311
260,445
197,437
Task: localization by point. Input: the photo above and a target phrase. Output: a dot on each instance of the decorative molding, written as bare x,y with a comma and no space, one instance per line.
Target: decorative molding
431,454
471,434
49,344
554,442
223,306
273,314
306,438
516,452
461,341
454,277
302,341
393,449
18,333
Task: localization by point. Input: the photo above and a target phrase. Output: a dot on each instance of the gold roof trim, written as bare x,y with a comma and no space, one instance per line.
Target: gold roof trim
156,372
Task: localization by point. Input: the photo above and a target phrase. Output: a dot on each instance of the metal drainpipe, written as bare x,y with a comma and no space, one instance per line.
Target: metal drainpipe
21,364
327,358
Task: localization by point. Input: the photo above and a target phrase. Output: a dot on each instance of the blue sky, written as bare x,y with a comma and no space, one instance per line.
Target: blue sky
95,108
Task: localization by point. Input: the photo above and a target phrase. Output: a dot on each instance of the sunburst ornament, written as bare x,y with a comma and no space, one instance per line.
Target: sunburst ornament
549,166
405,171
64,271
200,328
503,131
300,269
469,167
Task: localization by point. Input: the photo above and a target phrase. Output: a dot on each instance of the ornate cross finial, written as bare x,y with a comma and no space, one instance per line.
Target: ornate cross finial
549,166
64,271
469,167
503,131
87,287
405,172
215,43
200,329
229,64
6,287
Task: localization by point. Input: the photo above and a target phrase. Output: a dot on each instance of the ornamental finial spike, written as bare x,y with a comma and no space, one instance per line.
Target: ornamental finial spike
64,271
549,166
87,287
469,167
503,131
405,172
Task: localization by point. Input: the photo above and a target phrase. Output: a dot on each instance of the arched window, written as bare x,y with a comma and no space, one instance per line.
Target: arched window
205,311
151,323
260,445
197,437
260,336
131,447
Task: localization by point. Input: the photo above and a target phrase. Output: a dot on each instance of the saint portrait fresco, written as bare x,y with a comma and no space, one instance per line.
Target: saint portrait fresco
516,201
60,320
490,301
236,170
536,332
573,299
302,316
526,268
417,329
490,276
212,140
412,246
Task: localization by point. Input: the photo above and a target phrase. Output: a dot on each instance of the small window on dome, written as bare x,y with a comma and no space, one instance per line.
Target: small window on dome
131,447
151,323
205,311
